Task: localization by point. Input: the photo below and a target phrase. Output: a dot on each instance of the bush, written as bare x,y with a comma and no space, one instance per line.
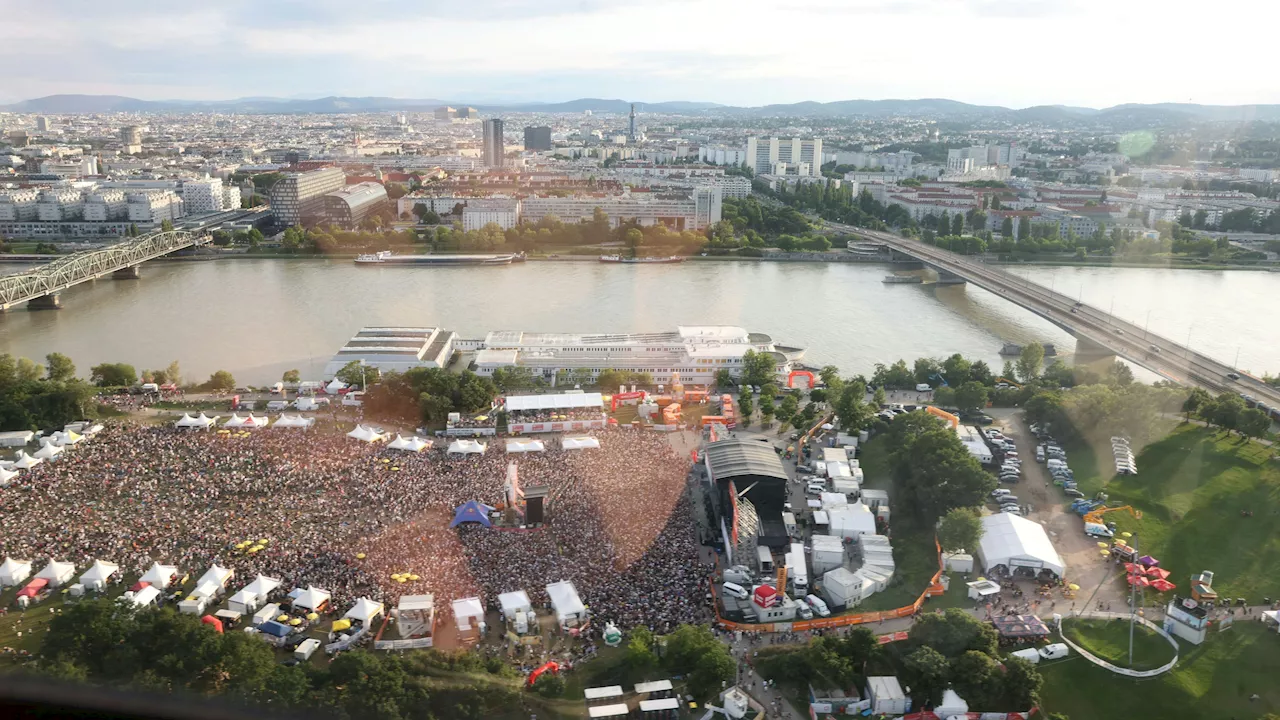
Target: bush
549,685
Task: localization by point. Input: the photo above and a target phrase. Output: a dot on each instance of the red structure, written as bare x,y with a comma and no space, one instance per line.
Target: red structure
791,379
537,673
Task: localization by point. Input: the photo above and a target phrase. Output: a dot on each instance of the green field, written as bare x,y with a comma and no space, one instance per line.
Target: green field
1210,682
1192,487
1109,640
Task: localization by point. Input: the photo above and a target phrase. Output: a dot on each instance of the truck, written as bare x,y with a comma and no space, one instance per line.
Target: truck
789,522
1056,651
797,569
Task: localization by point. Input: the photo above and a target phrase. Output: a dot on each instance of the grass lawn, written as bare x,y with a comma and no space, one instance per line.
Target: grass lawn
1210,682
1191,488
1109,640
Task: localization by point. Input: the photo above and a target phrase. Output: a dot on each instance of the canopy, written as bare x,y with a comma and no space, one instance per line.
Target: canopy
146,596
63,438
466,447
274,628
13,572
579,443
25,461
33,588
365,434
47,452
313,598
555,402
1014,541
202,421
1148,560
7,476
410,444
57,572
335,386
1139,580
99,573
364,610
565,600
262,586
472,511
1162,585
513,602
520,445
293,421
216,574
1020,626
249,421
160,575
466,608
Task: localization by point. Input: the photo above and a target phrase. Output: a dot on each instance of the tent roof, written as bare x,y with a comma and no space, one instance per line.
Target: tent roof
100,570
524,445
468,607
472,511
216,574
1007,537
363,433
25,461
56,570
146,595
364,610
47,451
564,598
417,602
579,443
273,628
732,458
159,574
466,446
311,598
262,585
514,600
7,475
555,402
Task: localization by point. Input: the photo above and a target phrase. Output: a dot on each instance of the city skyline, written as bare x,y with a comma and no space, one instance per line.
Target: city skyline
976,51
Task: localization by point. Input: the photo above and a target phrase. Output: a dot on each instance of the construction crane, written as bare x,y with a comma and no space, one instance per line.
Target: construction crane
1095,516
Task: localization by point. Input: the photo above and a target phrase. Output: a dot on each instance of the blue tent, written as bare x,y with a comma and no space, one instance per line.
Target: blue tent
271,627
472,511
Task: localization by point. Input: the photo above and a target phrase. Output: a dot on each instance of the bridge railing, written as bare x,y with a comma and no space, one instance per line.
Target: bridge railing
78,267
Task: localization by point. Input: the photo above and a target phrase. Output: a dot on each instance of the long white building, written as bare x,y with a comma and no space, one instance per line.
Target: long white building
395,349
794,156
696,352
692,210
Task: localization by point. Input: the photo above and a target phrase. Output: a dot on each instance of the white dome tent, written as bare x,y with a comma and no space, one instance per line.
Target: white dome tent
57,573
466,447
294,421
13,572
200,422
160,576
7,476
98,575
523,445
248,422
313,598
254,595
63,438
409,444
1016,542
47,452
579,443
25,461
365,434
365,610
335,386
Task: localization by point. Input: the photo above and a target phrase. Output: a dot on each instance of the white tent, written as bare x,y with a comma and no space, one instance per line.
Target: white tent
47,452
294,421
851,521
7,476
63,438
200,422
25,461
365,434
522,445
313,598
514,602
365,610
57,572
335,386
13,572
952,705
253,595
579,443
565,601
466,447
218,575
98,575
146,596
411,444
467,609
1015,541
159,575
248,422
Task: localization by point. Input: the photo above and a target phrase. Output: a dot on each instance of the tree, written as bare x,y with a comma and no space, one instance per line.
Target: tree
927,673
724,378
221,380
955,370
291,376
510,379
745,409
971,396
977,678
979,371
174,373
29,370
1226,411
1253,423
59,367
1024,230
166,225
640,658
768,390
694,652
787,410
879,398
549,685
957,224
1006,228
1020,685
435,408
113,375
932,469
829,374
758,368
952,633
960,529
357,373
924,371
850,407
1029,361
1195,402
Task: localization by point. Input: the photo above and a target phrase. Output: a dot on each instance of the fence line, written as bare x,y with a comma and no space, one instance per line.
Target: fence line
1115,668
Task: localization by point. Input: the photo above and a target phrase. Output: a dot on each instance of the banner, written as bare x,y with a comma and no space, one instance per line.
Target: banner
414,644
559,426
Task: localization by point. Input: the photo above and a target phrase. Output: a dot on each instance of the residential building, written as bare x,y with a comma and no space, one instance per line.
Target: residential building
445,114
19,205
721,155
154,206
230,197
494,147
537,138
105,205
479,212
468,113
692,210
59,204
42,124
765,155
299,197
349,206
131,139
73,167
204,196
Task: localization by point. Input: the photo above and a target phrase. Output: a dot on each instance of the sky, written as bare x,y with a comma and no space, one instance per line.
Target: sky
1016,53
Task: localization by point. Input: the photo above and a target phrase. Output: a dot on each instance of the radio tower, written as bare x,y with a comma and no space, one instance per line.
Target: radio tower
631,133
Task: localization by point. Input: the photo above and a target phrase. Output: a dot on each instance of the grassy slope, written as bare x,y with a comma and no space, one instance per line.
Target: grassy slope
1109,640
1210,682
1191,489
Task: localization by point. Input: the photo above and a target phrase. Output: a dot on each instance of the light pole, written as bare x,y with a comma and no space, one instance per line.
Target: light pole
1146,325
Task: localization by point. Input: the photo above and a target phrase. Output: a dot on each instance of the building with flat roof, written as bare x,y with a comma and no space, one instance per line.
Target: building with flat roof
298,197
537,138
494,145
694,209
479,212
395,349
349,206
796,156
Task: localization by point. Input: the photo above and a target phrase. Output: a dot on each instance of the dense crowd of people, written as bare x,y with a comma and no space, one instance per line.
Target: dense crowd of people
345,516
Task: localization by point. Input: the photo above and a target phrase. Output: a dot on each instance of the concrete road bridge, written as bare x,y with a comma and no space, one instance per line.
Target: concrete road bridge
39,287
1171,360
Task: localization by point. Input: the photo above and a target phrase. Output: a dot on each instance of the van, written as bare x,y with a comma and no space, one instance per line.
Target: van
1031,655
1039,453
818,605
735,590
1056,463
803,611
1000,491
738,575
1055,651
923,387
817,487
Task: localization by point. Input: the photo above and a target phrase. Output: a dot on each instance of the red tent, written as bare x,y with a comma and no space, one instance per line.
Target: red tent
213,622
139,585
1139,580
1158,573
1133,567
1162,585
33,588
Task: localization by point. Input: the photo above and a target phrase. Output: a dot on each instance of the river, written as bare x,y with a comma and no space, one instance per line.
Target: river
258,318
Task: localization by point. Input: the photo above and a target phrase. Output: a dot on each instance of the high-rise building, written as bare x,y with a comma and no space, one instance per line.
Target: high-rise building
763,156
469,113
445,114
299,197
42,124
494,149
131,138
537,138
631,128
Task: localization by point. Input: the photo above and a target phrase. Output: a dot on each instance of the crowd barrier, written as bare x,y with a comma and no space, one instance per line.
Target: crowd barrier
346,642
1115,668
414,644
